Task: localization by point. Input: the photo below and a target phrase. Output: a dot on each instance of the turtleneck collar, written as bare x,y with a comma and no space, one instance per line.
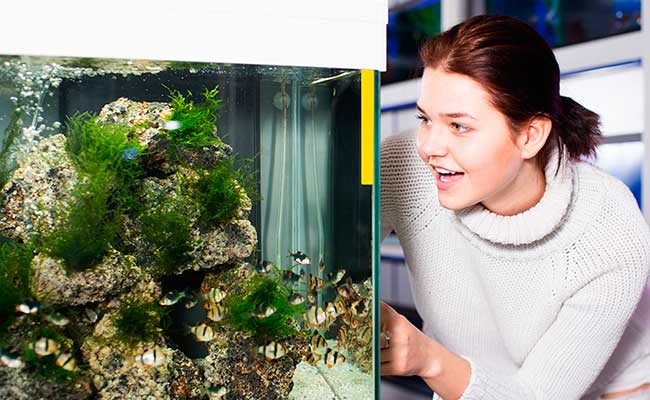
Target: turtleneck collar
530,225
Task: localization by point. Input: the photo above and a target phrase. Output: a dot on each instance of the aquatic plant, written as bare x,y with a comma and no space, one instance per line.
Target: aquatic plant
218,193
106,158
15,263
196,123
261,291
102,148
140,322
169,234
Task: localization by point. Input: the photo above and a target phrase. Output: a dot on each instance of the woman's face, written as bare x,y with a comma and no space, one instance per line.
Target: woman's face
462,133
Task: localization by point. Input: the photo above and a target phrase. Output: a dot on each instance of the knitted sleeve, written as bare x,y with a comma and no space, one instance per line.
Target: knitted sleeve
571,354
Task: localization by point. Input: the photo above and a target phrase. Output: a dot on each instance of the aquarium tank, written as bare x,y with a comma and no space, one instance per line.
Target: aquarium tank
187,228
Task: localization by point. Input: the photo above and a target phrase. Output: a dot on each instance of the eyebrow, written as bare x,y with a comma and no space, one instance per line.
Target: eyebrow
448,115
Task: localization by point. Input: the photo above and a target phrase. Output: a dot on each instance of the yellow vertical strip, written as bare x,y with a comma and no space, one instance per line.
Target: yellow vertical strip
367,126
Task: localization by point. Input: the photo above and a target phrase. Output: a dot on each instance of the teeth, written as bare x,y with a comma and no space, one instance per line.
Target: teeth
444,171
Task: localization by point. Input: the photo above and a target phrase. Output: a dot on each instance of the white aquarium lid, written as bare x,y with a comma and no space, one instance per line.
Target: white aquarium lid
325,33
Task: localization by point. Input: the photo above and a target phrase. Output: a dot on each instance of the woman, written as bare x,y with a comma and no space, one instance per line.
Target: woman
527,265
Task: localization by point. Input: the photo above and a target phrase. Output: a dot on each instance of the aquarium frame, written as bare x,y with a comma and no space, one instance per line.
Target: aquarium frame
334,34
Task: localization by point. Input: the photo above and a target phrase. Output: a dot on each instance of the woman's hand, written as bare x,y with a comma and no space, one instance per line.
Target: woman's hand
405,350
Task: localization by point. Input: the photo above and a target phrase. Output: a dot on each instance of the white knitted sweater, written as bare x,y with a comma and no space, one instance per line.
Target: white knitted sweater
542,304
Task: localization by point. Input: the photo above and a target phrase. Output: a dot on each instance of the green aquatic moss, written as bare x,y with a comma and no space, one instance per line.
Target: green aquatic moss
106,159
218,193
168,232
15,264
140,322
197,122
263,291
103,148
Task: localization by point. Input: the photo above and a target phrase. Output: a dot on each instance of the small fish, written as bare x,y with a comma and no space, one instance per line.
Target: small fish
271,351
215,295
321,266
57,319
291,276
191,301
296,298
216,312
335,278
130,154
364,335
66,361
203,333
333,309
360,308
172,125
264,311
151,358
315,282
90,315
316,316
44,347
353,322
342,338
172,298
318,343
344,291
312,358
217,392
28,307
300,258
263,267
311,298
10,361
333,357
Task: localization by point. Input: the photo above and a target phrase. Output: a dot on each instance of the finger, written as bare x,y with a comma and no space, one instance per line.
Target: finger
387,315
385,356
386,369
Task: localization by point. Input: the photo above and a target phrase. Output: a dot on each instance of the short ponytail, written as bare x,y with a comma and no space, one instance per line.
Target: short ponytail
578,128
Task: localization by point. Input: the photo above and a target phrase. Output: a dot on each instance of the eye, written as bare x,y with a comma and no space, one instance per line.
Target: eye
459,128
423,119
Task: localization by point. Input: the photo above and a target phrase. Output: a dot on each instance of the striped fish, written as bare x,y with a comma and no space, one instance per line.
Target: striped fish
312,358
203,333
333,357
44,347
316,316
271,351
151,358
67,362
216,312
364,335
318,343
215,295
10,361
315,282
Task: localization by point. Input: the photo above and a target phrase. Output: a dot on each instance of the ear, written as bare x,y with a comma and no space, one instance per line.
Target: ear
533,136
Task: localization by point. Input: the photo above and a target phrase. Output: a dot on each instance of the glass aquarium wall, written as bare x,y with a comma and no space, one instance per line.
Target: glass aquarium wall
176,230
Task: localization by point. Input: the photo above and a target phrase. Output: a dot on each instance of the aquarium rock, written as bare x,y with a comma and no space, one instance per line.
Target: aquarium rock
18,384
162,158
51,282
36,196
117,374
232,363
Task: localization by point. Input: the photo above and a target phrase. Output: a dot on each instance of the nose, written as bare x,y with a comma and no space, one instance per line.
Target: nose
432,142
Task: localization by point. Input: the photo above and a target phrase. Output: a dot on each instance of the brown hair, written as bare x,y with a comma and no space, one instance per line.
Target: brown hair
519,71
